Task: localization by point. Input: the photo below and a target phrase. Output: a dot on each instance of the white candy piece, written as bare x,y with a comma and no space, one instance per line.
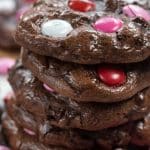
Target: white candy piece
5,89
56,28
7,6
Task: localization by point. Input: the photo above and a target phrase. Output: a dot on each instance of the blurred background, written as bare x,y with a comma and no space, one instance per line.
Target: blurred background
10,13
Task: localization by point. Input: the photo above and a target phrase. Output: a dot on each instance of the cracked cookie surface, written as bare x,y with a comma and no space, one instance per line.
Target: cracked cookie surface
84,44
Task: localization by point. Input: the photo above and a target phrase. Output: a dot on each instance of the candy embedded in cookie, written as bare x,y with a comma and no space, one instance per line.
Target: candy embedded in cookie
82,5
56,28
111,76
108,24
134,11
48,88
29,132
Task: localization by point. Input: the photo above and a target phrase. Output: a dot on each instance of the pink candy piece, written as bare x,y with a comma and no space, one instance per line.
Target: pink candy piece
29,132
136,11
108,24
48,88
6,64
4,147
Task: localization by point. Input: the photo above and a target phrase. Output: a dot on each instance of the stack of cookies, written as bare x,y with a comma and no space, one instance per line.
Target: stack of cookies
83,82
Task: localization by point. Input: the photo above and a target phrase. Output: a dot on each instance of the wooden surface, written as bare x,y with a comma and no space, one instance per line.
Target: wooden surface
11,54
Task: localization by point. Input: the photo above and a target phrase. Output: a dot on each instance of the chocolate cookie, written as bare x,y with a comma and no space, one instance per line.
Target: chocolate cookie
21,141
64,112
87,32
79,139
89,83
10,12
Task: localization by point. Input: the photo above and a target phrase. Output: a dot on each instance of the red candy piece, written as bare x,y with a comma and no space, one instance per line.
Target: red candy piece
108,24
82,5
111,76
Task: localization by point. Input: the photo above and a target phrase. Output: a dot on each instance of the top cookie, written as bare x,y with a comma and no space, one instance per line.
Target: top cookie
86,31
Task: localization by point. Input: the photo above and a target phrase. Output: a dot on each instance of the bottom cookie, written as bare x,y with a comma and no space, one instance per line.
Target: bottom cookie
18,140
80,139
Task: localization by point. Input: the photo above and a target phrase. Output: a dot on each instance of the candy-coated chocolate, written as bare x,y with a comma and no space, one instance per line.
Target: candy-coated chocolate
134,11
108,24
82,5
111,76
48,88
56,28
29,132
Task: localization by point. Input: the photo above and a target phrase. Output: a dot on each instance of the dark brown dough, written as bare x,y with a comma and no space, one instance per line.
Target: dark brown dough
82,83
81,139
21,141
64,112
